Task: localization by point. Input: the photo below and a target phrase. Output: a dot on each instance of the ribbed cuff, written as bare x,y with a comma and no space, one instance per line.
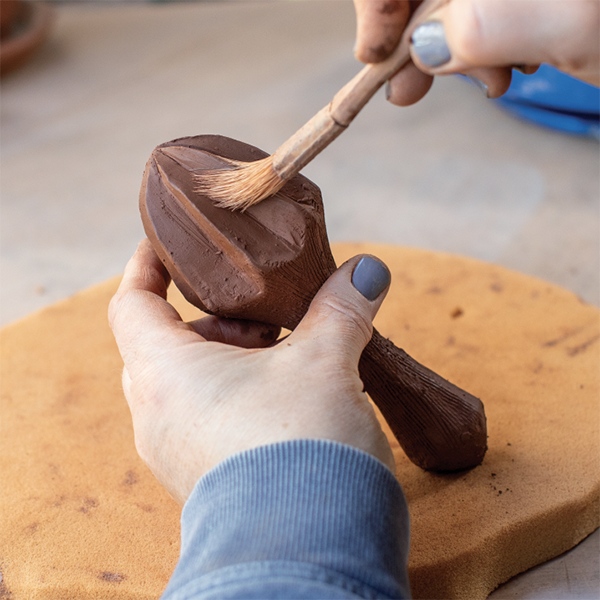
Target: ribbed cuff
313,502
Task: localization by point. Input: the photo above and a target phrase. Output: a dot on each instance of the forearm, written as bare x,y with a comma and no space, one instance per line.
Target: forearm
302,519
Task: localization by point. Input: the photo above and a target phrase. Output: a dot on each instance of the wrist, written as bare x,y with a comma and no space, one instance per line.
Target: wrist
304,502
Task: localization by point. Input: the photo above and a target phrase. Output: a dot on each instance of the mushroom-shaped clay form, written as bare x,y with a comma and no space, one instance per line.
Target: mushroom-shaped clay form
267,263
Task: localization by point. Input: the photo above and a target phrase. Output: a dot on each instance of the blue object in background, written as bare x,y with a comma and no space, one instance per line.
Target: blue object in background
556,100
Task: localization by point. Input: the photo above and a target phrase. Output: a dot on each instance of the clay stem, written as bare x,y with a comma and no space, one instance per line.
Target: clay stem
439,426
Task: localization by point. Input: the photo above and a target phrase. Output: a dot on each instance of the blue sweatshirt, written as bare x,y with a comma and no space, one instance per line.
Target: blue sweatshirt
306,519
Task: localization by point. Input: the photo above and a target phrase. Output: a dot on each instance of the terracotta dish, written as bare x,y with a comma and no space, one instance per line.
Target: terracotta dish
24,28
9,13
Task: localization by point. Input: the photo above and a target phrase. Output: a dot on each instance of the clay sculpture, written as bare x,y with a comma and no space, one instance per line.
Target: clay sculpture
267,263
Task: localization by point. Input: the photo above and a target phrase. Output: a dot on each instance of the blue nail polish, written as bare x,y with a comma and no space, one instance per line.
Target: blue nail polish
370,277
479,84
429,44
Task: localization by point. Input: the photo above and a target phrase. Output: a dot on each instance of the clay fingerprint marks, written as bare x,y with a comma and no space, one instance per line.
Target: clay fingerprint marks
576,341
111,576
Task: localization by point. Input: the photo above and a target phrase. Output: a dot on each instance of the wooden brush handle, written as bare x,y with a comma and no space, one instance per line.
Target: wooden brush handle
439,426
330,121
350,100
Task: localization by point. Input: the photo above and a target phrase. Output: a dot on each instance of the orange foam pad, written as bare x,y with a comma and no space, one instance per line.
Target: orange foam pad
82,517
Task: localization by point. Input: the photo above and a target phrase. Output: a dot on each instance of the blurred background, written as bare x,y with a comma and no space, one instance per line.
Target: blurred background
110,81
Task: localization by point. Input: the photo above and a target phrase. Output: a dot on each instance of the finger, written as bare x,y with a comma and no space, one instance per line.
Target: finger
379,27
477,33
408,86
342,312
236,332
492,81
526,69
140,317
146,272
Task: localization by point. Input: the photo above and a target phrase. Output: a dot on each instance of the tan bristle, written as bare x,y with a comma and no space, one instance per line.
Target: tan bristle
242,185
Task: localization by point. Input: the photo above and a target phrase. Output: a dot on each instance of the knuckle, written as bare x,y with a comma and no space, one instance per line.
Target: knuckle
114,309
125,316
353,319
470,33
584,18
585,14
571,53
377,52
118,304
392,7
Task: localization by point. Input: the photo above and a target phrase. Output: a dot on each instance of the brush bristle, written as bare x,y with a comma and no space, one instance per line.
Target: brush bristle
242,185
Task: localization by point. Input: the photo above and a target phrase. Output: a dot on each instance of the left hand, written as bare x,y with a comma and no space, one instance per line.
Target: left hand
202,391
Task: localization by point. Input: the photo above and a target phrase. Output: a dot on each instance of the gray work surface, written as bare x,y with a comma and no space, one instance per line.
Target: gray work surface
453,173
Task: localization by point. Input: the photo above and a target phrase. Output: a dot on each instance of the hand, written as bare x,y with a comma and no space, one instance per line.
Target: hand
379,27
485,38
199,392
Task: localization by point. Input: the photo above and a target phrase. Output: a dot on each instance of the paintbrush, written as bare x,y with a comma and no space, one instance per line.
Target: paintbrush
244,184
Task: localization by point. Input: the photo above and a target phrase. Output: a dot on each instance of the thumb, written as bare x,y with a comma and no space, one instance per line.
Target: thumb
342,312
466,34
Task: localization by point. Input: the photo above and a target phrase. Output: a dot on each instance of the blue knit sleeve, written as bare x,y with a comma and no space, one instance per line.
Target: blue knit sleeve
304,519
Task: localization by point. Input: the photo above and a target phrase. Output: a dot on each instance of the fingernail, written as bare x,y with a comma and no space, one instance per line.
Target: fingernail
526,69
479,84
370,277
429,44
388,90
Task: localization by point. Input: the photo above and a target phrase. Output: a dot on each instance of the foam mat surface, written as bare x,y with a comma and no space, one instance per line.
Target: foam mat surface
82,518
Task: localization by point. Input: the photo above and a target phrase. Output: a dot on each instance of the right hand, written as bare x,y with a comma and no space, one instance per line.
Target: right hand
486,38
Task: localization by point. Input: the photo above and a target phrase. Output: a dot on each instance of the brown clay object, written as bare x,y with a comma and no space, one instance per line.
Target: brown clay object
24,27
267,263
